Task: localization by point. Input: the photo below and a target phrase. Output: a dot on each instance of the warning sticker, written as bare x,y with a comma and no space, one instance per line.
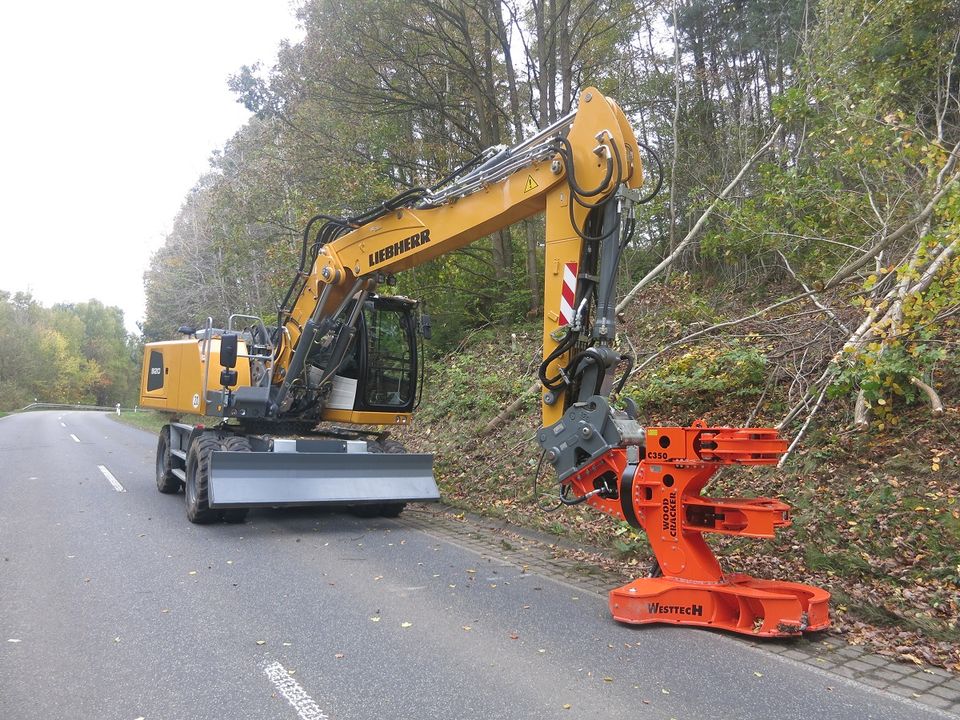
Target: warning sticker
531,184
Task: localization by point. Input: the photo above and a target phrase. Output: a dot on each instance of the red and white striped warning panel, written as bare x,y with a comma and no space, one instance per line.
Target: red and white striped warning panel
569,293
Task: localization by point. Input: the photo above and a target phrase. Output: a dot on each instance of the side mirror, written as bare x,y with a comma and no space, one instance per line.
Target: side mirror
228,350
425,327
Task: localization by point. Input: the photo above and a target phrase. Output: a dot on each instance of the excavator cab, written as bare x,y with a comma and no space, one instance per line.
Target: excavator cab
377,382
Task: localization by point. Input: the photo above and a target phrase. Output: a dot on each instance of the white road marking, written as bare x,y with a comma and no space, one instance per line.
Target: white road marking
63,424
111,479
301,701
75,438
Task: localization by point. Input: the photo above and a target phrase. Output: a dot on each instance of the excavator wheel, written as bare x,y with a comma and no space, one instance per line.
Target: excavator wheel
167,482
235,443
388,509
199,511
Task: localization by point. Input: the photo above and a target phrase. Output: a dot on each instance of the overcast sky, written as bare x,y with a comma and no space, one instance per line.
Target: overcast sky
110,111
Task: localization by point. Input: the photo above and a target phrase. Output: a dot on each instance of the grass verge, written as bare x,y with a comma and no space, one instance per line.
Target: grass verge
149,420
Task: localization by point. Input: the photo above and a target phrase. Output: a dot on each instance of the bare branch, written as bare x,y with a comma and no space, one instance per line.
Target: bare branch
803,429
936,407
698,226
832,315
885,242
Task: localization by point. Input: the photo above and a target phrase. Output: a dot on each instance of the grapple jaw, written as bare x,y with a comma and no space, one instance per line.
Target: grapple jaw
659,491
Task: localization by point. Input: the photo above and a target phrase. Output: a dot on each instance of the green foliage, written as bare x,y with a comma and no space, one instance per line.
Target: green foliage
860,140
77,353
472,382
476,395
697,381
883,375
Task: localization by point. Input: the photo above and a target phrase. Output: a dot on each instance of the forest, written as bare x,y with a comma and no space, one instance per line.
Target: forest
799,267
809,156
76,353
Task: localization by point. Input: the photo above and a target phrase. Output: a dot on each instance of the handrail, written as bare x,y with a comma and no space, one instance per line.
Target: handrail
205,356
64,406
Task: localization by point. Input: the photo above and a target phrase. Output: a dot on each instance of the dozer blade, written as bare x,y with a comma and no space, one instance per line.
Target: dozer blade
275,479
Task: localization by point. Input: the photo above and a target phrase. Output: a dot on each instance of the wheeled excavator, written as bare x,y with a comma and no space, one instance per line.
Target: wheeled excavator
344,355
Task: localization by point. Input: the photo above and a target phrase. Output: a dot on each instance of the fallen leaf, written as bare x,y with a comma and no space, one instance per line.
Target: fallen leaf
542,650
608,679
567,706
514,636
287,644
467,628
192,572
375,619
14,640
117,639
339,656
664,691
758,674
406,624
261,642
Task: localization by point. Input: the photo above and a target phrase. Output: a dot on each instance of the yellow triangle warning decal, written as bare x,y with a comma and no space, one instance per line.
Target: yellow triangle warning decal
531,184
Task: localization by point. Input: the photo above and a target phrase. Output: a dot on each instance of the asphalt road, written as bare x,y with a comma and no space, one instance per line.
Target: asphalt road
112,605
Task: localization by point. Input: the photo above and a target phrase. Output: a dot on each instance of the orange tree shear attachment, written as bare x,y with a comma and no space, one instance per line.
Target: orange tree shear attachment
659,491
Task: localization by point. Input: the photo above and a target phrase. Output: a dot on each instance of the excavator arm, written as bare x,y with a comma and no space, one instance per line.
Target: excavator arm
578,172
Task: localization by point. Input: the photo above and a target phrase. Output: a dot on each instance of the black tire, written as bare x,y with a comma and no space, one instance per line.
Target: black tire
389,509
394,447
235,443
392,510
167,482
198,480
